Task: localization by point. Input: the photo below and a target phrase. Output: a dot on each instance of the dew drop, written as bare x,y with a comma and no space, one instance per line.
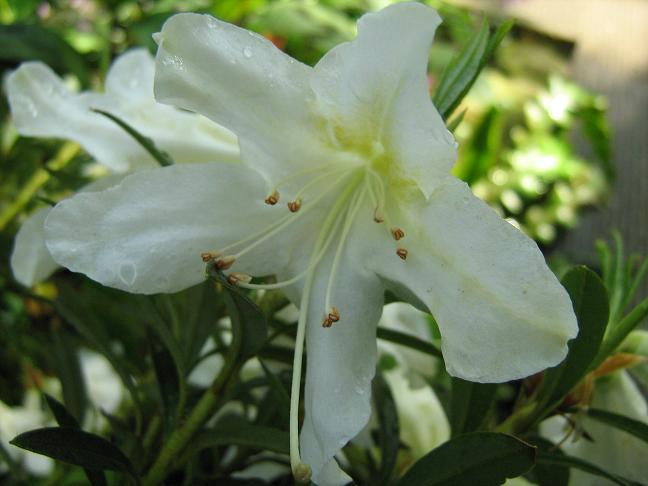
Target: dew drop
247,52
127,273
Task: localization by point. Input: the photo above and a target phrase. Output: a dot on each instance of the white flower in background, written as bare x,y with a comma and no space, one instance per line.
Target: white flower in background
43,106
611,449
103,386
361,156
16,420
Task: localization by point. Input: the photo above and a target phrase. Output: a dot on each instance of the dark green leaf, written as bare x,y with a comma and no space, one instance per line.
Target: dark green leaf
482,458
456,121
147,144
555,459
249,326
65,419
282,398
168,379
408,340
388,428
68,369
548,474
590,302
233,431
631,426
34,43
76,447
470,405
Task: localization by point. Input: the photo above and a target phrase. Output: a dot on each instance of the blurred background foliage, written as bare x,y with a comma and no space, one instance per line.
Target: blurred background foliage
517,131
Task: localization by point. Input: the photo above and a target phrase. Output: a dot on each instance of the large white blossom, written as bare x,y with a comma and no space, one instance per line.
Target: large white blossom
362,158
42,105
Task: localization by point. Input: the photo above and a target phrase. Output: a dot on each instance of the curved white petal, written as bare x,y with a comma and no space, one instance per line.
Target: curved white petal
42,106
376,86
242,81
146,235
502,314
30,260
612,449
341,363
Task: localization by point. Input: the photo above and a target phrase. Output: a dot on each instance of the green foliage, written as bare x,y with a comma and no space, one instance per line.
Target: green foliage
481,458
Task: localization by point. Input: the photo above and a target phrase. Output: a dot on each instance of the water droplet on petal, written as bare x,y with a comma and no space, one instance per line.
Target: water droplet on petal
127,273
247,52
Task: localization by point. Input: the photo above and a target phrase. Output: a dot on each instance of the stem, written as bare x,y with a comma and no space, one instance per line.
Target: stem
38,180
205,408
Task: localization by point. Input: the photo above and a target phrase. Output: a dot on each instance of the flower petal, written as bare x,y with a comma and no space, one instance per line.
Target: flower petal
43,106
146,235
378,84
341,364
502,314
30,260
242,81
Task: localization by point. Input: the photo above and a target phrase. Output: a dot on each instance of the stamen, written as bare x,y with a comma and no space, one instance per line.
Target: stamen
225,262
273,198
235,278
397,233
295,205
299,469
208,256
331,317
356,202
402,253
379,216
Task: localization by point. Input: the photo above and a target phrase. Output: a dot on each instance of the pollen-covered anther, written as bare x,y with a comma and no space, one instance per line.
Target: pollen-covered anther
294,205
235,278
208,256
272,199
402,253
378,216
397,233
225,262
331,317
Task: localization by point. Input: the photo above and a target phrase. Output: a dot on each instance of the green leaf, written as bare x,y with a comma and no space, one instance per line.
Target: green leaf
631,426
460,74
282,398
249,326
147,143
483,458
75,447
65,419
168,380
590,302
68,370
470,405
555,459
388,428
235,431
548,474
408,340
22,42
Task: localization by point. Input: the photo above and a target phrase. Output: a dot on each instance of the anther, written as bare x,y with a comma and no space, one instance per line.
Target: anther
225,262
234,278
208,256
402,253
378,216
272,199
397,233
294,205
331,317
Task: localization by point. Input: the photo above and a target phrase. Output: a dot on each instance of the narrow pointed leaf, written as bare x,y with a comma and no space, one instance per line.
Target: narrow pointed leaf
408,340
388,427
470,405
249,326
482,458
68,369
554,459
75,447
147,144
590,302
631,426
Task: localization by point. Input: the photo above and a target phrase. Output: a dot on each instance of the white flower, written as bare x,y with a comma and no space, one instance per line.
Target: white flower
611,449
43,106
363,159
